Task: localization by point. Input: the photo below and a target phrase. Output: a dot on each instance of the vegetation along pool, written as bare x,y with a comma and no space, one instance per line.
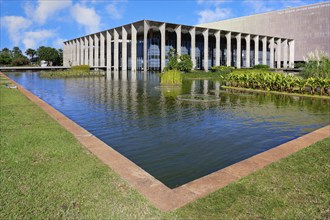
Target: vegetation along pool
179,134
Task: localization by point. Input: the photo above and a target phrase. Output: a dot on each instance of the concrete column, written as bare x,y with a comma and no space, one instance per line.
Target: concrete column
109,51
206,49
178,40
102,49
77,52
91,51
145,45
96,49
133,47
71,53
64,54
248,51
82,47
239,50
86,60
256,50
228,37
291,57
264,50
271,47
285,53
73,49
278,52
192,32
116,50
124,49
162,29
217,48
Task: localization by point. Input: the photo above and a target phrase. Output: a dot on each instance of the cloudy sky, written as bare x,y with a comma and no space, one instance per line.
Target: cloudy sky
30,24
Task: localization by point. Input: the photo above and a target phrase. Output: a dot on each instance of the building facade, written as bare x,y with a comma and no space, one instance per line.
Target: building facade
144,45
308,25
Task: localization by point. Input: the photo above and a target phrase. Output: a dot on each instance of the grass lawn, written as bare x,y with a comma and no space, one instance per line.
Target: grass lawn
45,173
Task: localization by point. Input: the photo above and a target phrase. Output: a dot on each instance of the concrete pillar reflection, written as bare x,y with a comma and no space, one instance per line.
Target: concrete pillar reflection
109,40
162,29
115,50
124,49
239,51
264,50
193,87
178,39
228,53
192,32
278,53
133,47
206,49
271,47
91,51
248,51
102,49
205,87
217,48
256,50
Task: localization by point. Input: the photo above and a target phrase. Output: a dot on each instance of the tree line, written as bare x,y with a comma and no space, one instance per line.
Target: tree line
15,57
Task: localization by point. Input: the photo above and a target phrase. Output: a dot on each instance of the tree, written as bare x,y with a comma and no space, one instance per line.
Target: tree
31,52
49,54
5,56
16,52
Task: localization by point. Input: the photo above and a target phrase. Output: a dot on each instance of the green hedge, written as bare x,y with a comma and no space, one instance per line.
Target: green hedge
272,81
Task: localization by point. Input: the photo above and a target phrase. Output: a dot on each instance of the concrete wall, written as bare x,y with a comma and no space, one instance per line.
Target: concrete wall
309,26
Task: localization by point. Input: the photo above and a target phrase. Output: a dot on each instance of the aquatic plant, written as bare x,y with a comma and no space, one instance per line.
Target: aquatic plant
171,77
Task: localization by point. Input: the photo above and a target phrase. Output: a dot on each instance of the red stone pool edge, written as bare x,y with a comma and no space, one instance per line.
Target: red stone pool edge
156,192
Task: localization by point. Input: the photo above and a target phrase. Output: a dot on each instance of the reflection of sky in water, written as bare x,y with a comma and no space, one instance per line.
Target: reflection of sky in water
173,140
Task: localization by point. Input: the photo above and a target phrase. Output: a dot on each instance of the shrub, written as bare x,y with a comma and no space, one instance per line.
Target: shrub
222,69
317,64
182,63
171,77
261,66
185,64
20,61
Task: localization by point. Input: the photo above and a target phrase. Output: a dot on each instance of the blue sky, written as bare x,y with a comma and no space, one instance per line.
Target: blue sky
30,24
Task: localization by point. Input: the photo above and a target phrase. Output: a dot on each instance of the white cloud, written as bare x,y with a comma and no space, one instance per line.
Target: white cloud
116,9
86,17
217,14
258,6
32,39
58,43
45,9
15,26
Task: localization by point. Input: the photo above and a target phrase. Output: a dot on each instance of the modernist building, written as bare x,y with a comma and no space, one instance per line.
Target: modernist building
309,26
144,45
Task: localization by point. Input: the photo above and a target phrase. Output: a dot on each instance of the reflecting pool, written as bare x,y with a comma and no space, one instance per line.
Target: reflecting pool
178,139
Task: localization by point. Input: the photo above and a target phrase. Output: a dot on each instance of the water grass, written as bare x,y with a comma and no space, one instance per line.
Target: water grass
171,77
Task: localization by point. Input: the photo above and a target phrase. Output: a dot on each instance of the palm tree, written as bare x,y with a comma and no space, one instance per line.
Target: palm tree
30,52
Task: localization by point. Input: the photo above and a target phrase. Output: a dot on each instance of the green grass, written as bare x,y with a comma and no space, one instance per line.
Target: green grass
45,173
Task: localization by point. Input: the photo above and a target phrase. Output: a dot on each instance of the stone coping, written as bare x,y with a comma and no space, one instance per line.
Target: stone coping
156,192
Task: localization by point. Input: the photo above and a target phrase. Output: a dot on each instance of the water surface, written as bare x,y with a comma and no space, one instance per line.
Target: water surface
177,141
